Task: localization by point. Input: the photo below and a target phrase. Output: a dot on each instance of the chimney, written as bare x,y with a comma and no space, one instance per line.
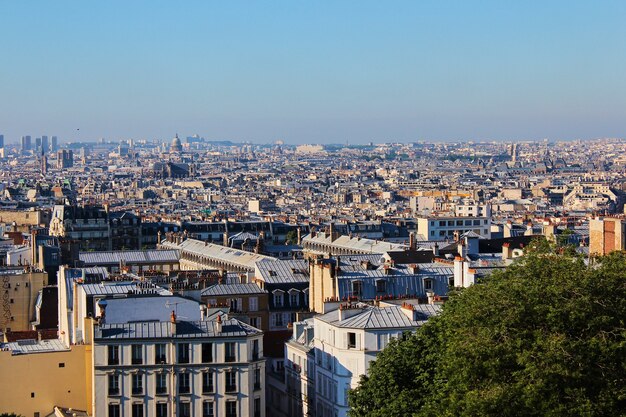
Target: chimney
436,249
506,251
218,324
348,310
173,323
332,232
431,297
462,249
412,241
299,236
225,242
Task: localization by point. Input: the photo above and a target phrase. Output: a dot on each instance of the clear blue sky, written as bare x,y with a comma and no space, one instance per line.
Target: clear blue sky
313,71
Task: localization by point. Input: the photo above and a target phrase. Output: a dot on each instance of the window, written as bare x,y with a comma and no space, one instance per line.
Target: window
255,350
113,355
137,410
381,285
114,384
161,410
257,379
278,319
114,410
357,288
428,284
160,353
161,383
137,354
231,408
207,382
208,409
184,409
137,384
183,353
183,383
253,304
476,222
255,322
231,381
257,407
351,340
294,299
278,299
229,351
207,352
442,223
450,282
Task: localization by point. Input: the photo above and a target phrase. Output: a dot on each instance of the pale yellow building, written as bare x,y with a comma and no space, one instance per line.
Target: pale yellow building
36,376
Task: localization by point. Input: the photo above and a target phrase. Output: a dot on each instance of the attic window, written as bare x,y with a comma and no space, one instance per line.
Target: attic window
272,273
357,288
381,285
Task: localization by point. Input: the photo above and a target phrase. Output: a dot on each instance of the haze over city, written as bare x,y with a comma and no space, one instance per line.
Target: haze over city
313,72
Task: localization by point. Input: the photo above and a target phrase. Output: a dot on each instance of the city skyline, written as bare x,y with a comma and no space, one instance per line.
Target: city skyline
313,72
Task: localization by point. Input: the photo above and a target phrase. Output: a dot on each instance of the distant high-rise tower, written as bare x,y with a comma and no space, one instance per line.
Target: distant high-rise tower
26,143
45,144
54,144
1,141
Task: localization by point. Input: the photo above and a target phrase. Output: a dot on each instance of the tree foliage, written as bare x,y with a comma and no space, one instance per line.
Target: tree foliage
545,337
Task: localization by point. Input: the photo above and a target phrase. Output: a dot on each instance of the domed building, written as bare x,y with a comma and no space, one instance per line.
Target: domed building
176,146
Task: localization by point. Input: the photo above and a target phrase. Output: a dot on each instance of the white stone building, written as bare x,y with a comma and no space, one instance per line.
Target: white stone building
322,368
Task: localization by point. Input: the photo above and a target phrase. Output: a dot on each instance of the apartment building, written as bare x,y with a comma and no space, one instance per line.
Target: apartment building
209,367
328,353
442,227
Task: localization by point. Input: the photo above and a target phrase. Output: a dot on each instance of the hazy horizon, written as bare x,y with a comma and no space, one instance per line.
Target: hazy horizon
313,72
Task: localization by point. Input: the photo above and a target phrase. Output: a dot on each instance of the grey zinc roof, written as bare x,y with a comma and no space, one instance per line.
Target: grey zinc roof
34,346
233,289
353,243
150,308
184,329
382,317
115,287
130,257
217,252
283,271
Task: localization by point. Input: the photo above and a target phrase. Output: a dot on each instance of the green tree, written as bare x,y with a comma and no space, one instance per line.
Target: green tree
545,337
291,238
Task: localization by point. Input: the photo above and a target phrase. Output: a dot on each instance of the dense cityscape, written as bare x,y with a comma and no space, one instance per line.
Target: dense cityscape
312,208
192,277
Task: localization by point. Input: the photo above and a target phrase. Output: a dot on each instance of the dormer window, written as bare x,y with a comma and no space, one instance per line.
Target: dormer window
381,285
278,298
428,284
357,288
294,297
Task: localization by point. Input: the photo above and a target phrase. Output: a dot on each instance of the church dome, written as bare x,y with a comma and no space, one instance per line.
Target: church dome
176,146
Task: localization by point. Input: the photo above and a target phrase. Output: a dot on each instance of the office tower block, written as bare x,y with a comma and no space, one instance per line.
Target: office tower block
54,144
1,141
45,144
26,143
